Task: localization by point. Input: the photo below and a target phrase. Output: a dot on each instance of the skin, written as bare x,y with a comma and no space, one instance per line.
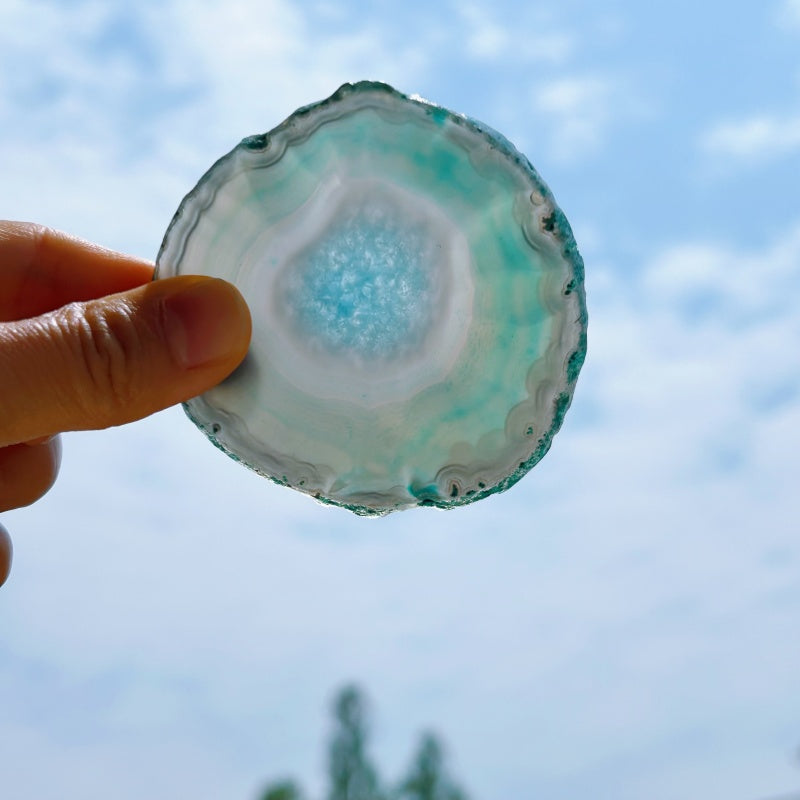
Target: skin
88,341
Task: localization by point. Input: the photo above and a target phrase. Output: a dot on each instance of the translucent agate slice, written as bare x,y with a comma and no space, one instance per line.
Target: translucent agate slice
417,297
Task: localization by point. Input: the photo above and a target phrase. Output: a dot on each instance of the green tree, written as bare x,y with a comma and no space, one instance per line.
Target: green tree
351,775
427,778
285,790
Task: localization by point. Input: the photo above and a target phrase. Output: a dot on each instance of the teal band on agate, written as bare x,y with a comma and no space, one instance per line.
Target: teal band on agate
419,317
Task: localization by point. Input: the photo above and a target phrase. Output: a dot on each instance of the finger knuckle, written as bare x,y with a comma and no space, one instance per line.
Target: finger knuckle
108,346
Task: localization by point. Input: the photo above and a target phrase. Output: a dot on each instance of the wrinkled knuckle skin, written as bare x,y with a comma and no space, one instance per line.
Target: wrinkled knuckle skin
108,345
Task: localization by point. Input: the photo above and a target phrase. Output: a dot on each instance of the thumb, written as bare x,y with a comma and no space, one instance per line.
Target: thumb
113,360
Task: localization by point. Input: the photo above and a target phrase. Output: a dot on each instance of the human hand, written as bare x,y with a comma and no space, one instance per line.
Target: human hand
87,341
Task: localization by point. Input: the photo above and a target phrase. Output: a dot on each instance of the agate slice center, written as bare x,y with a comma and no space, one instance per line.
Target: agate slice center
365,290
366,286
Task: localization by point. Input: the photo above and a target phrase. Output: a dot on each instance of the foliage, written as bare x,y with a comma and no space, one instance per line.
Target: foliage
285,790
352,775
427,778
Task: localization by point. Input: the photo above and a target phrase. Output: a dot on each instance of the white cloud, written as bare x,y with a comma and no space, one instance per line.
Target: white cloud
486,39
789,14
764,136
580,111
181,87
757,138
261,61
732,285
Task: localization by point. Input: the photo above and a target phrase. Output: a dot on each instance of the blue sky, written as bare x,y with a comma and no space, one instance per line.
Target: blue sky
623,623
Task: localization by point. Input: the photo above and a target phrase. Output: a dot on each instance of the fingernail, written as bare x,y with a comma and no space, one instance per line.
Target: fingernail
205,322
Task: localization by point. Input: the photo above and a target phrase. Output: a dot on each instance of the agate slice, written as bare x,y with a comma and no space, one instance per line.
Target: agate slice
417,297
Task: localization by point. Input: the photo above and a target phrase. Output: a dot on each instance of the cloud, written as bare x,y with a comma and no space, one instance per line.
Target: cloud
261,59
697,340
711,281
580,111
789,14
762,137
488,40
97,95
756,139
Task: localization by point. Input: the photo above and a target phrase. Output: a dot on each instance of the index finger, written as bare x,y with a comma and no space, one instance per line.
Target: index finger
42,269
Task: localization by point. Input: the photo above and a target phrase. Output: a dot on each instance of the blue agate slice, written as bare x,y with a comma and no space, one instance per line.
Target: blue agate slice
419,318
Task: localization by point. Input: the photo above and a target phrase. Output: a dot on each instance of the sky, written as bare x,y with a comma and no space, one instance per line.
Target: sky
621,624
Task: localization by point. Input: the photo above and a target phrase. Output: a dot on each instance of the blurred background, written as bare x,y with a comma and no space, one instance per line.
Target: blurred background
623,623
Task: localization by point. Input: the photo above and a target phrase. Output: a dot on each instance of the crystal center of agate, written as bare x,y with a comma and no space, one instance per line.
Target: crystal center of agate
363,293
365,289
